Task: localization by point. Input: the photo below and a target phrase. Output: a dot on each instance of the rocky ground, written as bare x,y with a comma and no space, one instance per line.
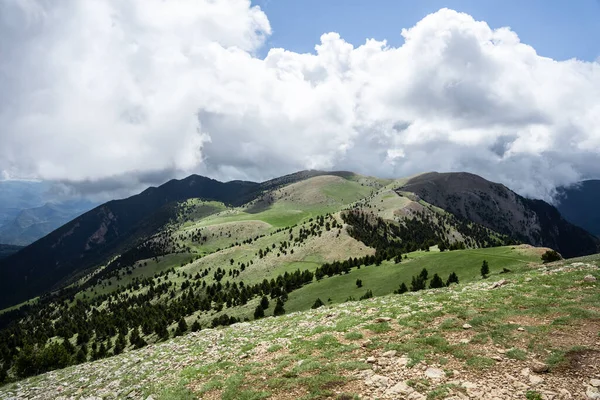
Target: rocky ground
534,334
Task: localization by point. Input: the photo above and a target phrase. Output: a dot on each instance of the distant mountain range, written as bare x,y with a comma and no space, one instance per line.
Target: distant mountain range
32,224
16,196
118,228
29,211
579,204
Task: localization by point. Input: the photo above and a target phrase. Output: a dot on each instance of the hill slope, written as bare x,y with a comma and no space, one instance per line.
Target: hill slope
95,237
413,346
92,238
579,205
495,206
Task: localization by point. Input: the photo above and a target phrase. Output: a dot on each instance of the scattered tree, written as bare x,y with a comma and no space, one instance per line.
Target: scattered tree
436,282
318,303
485,269
279,310
259,312
368,294
551,256
401,289
264,302
452,278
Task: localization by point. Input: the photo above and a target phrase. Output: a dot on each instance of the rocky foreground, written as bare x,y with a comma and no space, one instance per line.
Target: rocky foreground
530,334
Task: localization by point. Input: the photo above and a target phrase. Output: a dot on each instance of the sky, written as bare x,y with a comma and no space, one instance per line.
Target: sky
106,97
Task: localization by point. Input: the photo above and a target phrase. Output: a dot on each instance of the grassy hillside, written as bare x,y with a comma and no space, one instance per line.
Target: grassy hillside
414,345
387,277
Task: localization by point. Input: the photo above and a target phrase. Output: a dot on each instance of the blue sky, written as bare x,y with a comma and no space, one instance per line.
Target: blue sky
556,29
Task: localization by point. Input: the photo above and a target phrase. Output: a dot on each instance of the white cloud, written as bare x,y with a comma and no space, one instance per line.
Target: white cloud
124,92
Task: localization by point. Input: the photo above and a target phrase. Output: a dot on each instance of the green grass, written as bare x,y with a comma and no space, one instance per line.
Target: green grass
387,277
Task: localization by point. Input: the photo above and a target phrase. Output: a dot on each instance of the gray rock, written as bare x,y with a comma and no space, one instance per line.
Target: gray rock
435,373
399,388
535,380
589,278
592,393
389,354
467,326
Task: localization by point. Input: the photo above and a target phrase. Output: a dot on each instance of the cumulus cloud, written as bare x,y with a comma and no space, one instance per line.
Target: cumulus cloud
115,94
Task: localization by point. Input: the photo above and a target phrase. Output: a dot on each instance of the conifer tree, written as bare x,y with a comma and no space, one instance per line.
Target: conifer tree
436,282
264,302
318,303
402,289
279,310
452,278
259,312
485,269
196,326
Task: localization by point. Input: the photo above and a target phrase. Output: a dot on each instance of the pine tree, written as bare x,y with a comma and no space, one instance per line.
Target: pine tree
485,269
120,344
424,274
81,356
452,278
279,310
358,283
436,282
259,312
182,327
264,302
196,326
402,289
318,303
368,294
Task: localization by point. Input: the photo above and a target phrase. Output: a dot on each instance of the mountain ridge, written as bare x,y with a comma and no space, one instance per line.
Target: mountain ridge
495,206
110,229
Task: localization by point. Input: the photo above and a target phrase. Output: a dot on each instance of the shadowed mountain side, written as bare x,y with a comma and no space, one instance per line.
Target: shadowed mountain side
579,205
8,249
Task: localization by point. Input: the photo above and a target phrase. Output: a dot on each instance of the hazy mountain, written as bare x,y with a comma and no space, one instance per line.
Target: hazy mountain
579,204
16,196
495,206
34,223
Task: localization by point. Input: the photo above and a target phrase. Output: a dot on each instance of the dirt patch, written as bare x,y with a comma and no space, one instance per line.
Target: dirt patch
529,250
526,320
582,333
578,362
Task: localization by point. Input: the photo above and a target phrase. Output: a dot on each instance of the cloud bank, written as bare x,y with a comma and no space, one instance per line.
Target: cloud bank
116,94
